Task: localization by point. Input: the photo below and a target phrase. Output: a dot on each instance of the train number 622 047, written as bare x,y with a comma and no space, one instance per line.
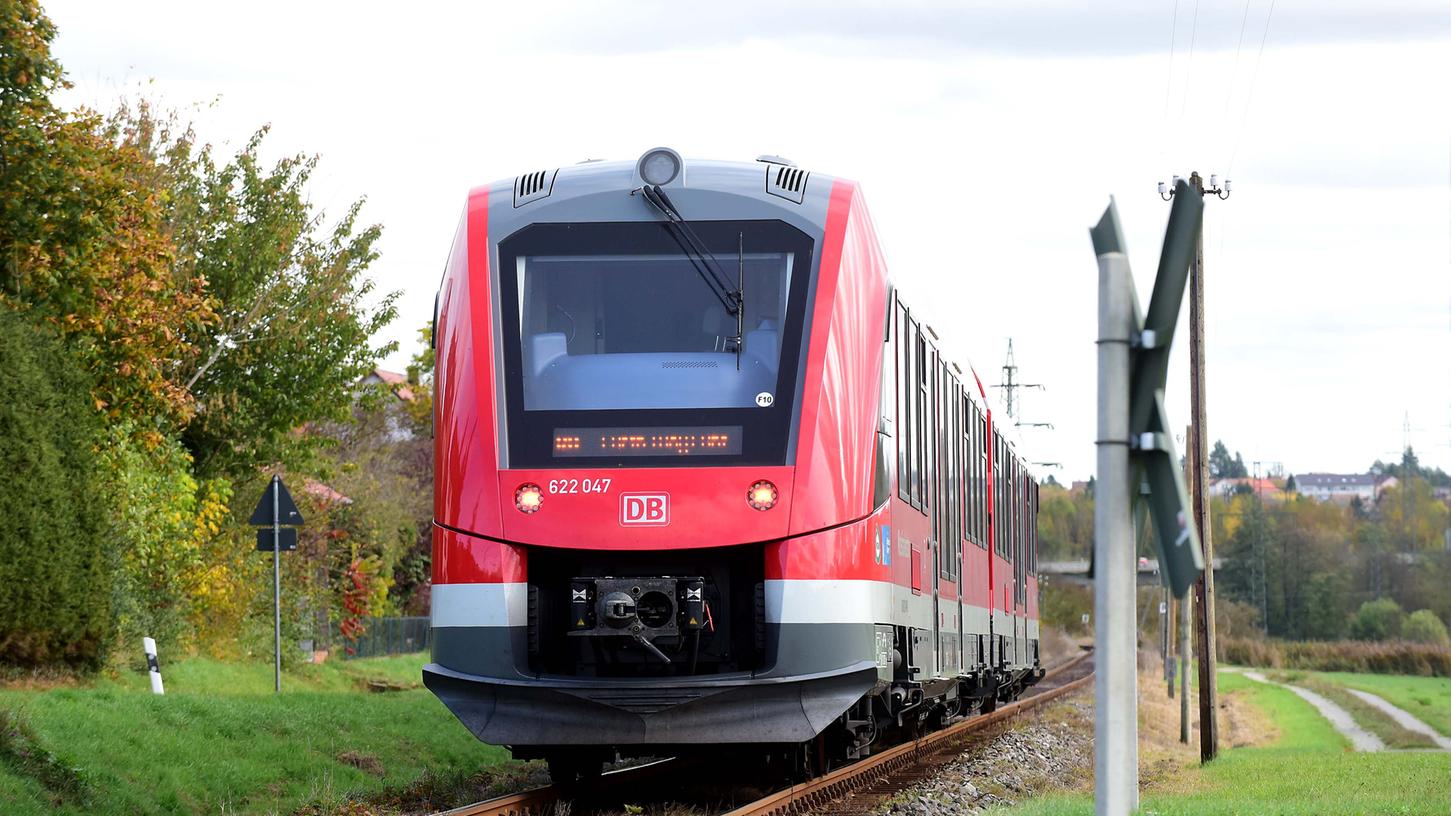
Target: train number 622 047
579,485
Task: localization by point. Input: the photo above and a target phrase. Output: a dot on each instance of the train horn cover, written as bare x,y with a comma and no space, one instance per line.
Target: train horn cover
659,166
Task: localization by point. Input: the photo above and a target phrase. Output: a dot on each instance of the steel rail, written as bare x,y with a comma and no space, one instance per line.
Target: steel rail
538,801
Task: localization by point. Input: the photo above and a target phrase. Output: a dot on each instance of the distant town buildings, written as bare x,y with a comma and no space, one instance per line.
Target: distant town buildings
1272,490
1342,487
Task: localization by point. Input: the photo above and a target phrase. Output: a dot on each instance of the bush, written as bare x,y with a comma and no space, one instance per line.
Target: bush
1392,657
56,567
1379,619
1425,627
1064,605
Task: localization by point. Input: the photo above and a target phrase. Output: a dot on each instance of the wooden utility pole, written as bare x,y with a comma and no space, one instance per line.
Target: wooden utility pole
1204,587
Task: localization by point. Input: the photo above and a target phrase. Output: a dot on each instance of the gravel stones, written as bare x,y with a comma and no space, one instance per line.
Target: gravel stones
1049,750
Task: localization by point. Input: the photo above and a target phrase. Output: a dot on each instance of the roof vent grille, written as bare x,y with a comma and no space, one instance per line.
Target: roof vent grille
533,186
787,182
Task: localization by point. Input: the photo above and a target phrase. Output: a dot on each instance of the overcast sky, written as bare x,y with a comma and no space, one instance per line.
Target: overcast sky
987,136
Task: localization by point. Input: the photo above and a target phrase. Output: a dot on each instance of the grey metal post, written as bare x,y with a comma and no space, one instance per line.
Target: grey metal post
1116,752
276,585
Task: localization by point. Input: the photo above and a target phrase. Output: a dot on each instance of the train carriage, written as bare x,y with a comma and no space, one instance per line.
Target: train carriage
704,479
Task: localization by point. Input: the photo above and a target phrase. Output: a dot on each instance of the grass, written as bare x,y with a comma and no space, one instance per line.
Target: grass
220,742
1426,698
1307,769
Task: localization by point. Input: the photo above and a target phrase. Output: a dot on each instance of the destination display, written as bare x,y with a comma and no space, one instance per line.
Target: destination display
715,440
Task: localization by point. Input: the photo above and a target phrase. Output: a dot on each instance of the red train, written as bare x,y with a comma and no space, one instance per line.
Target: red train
703,479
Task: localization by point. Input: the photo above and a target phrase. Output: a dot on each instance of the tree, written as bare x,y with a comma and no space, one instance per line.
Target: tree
1423,626
1377,620
1223,466
57,565
1291,487
84,246
294,326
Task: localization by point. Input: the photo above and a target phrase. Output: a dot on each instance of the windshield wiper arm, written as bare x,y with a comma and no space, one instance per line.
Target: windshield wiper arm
700,257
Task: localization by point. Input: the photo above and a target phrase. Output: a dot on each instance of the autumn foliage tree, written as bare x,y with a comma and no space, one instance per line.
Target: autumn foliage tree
215,320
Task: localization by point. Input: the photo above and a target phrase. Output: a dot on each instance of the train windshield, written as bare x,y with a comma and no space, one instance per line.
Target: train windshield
609,332
624,350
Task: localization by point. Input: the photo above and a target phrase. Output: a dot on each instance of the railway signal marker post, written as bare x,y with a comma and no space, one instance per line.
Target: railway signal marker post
1135,449
274,510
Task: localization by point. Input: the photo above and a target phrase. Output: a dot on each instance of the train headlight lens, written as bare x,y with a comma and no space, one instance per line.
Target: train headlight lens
528,498
762,495
659,166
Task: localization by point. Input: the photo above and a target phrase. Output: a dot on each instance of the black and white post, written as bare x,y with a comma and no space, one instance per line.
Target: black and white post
153,667
1115,730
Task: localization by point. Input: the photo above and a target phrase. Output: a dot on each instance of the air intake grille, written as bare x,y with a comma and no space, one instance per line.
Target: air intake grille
533,186
689,364
787,182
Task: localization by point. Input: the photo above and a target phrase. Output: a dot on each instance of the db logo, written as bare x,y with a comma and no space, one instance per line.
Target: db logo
644,509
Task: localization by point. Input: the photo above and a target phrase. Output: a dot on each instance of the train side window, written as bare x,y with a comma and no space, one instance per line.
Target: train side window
919,396
904,405
982,485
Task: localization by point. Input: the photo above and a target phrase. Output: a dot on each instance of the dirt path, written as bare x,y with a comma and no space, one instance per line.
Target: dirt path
1362,739
1403,718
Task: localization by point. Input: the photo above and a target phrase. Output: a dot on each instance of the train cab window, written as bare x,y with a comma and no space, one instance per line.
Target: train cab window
610,331
886,455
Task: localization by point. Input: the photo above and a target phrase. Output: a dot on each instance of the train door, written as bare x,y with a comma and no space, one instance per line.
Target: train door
1020,563
946,598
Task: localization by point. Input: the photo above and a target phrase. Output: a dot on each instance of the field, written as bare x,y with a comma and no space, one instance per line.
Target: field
1303,766
219,741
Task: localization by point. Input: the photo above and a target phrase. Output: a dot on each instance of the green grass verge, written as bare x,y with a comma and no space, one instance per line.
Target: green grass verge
1308,770
1426,698
220,742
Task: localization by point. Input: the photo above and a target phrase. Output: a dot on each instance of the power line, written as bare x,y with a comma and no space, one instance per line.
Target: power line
1250,94
1169,80
1189,72
1234,72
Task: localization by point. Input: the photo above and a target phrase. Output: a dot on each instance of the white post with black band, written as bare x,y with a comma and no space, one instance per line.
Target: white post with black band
152,666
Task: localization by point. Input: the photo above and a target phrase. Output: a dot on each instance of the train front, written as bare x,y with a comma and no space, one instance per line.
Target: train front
629,398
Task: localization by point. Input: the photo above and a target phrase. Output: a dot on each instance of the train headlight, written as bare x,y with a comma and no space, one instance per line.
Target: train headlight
659,166
762,495
528,498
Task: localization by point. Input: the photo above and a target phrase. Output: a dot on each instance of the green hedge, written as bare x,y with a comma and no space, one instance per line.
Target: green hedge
1385,657
56,568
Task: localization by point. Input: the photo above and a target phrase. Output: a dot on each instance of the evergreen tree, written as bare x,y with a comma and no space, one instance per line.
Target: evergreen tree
57,563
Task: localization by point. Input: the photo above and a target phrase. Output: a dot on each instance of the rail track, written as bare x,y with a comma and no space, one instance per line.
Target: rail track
866,781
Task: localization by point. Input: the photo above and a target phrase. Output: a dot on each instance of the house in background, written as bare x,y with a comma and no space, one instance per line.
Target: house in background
1271,490
1342,487
398,429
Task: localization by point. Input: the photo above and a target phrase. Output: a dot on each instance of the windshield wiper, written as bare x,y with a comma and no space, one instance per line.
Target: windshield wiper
733,300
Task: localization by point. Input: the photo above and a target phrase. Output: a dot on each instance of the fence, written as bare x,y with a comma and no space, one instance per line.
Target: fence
386,636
